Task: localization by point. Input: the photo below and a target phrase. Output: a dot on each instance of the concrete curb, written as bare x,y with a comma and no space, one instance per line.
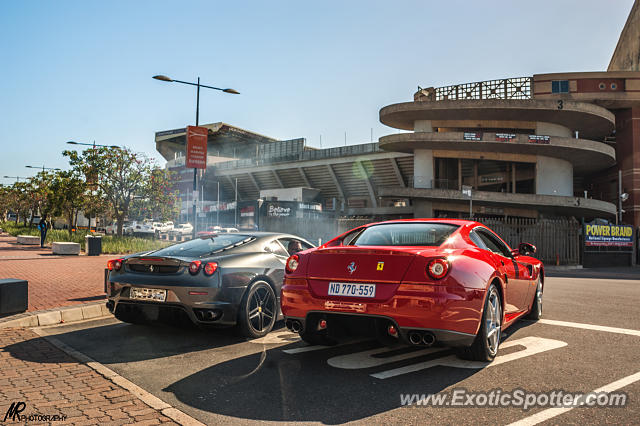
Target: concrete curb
553,268
151,400
57,315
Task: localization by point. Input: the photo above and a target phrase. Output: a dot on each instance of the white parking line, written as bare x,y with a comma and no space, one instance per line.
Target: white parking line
591,327
305,349
366,359
556,411
533,345
311,348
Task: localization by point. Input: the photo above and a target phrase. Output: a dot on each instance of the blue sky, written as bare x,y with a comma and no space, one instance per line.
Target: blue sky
81,70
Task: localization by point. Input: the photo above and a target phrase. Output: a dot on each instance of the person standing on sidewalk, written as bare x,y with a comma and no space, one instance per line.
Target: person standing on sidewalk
43,230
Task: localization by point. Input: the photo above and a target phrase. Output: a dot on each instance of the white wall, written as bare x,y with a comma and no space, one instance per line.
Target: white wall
551,129
554,176
422,168
422,126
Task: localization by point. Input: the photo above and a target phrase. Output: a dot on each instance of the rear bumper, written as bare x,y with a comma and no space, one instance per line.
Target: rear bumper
211,308
452,314
377,322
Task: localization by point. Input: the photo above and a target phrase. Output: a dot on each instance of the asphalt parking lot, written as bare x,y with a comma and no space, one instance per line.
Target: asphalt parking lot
216,377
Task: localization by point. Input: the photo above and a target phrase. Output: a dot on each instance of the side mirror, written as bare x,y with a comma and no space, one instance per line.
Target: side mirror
526,249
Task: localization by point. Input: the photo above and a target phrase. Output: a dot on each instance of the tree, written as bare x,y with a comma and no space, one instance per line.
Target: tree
68,190
5,200
19,200
119,176
39,191
159,202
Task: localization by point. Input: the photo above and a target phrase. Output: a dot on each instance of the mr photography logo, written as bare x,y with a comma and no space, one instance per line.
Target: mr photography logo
16,410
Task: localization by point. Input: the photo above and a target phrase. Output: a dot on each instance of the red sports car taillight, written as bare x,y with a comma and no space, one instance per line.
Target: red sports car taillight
114,264
194,267
292,263
210,268
438,268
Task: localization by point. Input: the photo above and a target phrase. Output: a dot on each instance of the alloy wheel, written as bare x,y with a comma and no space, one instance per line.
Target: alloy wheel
261,309
493,322
539,297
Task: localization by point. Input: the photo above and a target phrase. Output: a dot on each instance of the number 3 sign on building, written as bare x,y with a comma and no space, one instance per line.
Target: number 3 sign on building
197,147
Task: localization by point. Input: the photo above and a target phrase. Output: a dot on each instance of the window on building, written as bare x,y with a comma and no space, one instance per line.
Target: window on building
560,86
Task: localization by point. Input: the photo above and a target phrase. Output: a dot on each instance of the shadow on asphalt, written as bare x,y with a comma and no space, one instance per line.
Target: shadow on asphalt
275,386
123,343
268,385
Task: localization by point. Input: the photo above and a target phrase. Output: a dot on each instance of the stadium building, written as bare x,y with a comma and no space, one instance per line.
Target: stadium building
541,146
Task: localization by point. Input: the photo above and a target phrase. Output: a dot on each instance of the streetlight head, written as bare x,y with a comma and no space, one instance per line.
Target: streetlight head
31,167
624,196
235,92
72,143
162,78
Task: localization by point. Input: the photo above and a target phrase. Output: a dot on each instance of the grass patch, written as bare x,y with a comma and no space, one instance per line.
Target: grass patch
111,244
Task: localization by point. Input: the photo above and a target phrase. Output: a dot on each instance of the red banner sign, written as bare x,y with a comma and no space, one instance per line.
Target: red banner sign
197,147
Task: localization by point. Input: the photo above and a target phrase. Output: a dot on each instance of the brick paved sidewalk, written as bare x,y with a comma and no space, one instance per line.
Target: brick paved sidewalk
54,281
51,382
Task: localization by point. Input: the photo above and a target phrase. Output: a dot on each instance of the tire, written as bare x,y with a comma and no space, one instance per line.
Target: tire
536,307
485,346
258,310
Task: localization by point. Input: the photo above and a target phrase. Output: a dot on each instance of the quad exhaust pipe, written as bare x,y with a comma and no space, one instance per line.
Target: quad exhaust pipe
293,325
421,338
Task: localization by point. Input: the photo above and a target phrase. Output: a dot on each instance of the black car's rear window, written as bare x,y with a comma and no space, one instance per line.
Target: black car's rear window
405,234
203,246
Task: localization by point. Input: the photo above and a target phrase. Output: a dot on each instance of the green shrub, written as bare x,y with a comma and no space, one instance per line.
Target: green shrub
111,244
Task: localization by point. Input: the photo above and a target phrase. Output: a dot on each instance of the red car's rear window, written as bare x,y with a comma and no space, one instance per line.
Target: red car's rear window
405,234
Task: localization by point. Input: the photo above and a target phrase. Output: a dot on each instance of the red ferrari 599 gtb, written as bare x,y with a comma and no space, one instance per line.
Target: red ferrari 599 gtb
417,281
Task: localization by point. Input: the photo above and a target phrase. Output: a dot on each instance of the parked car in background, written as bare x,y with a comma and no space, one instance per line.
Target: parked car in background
165,227
182,229
145,228
228,279
111,229
212,230
128,227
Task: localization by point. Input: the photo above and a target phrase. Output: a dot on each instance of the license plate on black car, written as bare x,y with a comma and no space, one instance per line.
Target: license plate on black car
151,294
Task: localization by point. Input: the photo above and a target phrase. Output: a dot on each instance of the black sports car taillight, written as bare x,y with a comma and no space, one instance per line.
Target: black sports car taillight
194,267
210,268
292,263
438,268
115,264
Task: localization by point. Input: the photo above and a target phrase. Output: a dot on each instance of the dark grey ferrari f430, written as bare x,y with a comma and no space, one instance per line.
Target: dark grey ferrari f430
224,279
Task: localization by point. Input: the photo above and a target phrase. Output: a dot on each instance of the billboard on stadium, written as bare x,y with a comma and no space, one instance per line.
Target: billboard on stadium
608,235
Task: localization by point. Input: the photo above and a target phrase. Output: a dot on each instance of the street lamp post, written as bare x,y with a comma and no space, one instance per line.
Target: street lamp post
43,168
622,197
195,170
94,144
17,178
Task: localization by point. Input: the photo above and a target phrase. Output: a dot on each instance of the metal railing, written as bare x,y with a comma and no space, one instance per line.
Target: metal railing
316,154
508,88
